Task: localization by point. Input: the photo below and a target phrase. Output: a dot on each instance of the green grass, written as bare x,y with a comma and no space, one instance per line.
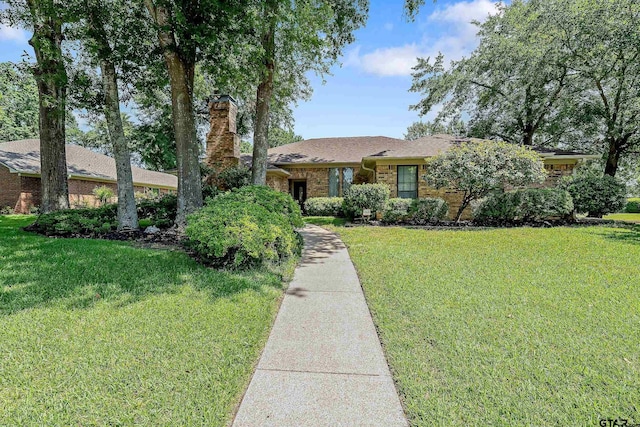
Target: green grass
102,333
506,327
325,220
629,217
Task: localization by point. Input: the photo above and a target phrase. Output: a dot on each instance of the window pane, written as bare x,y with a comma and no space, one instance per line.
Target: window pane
408,182
334,182
347,179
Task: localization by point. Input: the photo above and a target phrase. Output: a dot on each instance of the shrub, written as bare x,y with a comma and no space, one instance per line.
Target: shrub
397,210
530,205
160,211
6,210
428,209
77,221
365,196
542,204
596,195
103,194
324,206
633,206
231,231
234,177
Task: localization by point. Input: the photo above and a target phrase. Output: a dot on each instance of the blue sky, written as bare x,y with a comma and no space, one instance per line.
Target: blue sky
367,94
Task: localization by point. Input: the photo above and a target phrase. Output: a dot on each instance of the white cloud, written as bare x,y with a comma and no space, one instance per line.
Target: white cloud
456,38
11,33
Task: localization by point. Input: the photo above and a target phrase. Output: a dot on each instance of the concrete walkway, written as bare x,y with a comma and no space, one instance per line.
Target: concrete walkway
323,364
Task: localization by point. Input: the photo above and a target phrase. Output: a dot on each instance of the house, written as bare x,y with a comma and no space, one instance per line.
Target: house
326,167
20,175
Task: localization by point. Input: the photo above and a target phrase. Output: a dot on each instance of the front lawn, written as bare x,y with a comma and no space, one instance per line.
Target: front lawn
629,217
95,332
509,327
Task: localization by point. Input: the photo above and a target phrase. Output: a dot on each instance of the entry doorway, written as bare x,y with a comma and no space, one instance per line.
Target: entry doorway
299,191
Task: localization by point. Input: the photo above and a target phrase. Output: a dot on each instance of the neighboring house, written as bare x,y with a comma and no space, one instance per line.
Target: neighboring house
326,167
20,175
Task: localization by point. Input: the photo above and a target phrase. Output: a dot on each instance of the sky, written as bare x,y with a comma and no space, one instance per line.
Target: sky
368,92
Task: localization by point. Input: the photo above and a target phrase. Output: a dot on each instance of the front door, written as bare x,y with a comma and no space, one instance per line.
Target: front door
299,190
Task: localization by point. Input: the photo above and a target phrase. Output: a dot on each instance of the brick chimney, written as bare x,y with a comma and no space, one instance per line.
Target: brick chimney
223,145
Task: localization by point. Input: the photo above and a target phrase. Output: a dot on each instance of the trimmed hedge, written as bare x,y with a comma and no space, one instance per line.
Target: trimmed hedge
365,196
633,206
69,222
397,210
420,211
247,227
429,209
530,205
324,206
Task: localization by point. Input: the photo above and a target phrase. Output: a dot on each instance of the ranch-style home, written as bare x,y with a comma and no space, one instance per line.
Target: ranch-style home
326,167
86,170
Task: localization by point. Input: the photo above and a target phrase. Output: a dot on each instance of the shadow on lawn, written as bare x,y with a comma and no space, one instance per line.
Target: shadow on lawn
627,235
36,271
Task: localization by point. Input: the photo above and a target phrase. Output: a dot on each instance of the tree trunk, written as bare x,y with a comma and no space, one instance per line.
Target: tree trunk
127,211
613,157
187,149
51,78
263,98
181,69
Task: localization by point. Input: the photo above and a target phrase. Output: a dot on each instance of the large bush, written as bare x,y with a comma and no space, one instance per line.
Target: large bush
324,206
246,227
596,195
71,222
529,205
365,196
478,168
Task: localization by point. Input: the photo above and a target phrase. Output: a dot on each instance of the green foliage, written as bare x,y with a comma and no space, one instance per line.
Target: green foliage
428,209
417,130
160,211
234,177
596,195
70,222
324,206
477,168
6,210
528,205
396,210
365,196
103,194
633,206
250,226
18,103
279,136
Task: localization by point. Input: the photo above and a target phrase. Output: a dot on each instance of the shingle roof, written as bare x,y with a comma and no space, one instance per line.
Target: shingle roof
24,157
354,149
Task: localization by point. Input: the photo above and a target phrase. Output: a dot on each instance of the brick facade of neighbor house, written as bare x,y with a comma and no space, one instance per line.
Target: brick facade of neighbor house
20,185
9,188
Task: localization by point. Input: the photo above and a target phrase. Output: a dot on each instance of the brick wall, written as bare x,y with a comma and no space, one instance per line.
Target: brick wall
317,179
278,182
9,188
223,145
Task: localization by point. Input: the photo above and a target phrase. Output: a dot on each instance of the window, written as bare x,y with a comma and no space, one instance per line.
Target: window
334,182
347,179
408,182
